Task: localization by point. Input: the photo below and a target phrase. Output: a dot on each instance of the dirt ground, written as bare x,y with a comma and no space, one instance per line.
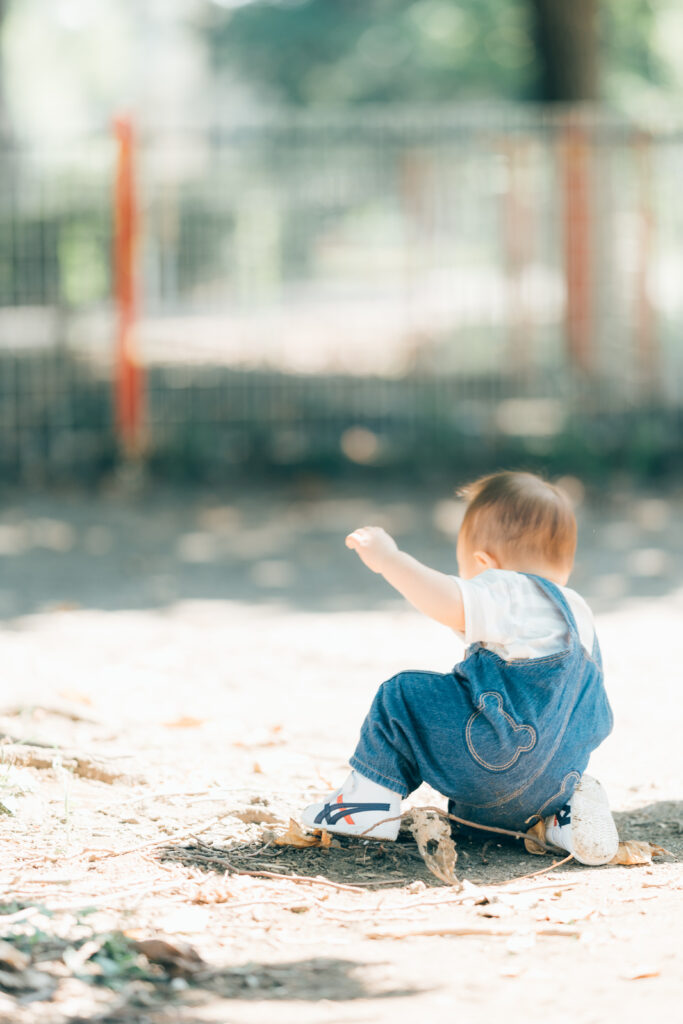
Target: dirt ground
182,671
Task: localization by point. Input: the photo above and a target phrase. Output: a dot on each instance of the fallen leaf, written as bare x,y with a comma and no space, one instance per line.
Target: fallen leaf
295,836
39,984
184,722
433,837
178,958
636,851
262,738
537,831
212,893
76,958
257,816
12,957
77,696
256,768
568,914
643,972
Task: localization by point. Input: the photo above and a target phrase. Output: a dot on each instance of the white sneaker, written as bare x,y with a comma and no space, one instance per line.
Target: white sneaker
356,809
585,827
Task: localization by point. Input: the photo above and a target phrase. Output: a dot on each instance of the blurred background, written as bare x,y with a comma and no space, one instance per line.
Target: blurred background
240,236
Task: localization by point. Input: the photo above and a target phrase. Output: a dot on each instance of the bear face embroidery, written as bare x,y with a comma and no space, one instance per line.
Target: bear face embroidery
493,737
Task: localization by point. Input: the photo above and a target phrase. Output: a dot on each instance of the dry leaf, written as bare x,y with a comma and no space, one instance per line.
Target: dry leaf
537,831
12,957
433,837
257,769
636,851
212,893
643,972
271,737
77,696
295,836
179,958
257,816
185,722
38,983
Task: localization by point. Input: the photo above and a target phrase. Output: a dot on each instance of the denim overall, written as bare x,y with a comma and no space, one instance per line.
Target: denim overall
505,741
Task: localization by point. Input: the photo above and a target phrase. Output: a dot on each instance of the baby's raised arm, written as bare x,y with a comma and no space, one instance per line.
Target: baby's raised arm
431,592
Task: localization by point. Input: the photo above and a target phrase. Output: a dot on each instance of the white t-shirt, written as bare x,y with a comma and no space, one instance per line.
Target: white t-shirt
509,614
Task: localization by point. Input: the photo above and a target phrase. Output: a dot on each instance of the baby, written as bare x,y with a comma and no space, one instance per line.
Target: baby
506,735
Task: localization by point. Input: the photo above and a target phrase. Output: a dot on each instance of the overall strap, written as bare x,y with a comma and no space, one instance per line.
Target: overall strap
559,600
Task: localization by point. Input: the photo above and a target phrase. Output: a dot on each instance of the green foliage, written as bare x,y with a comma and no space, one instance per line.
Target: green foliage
375,51
631,60
120,962
346,52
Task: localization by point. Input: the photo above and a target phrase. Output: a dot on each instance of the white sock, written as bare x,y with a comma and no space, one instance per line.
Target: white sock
364,789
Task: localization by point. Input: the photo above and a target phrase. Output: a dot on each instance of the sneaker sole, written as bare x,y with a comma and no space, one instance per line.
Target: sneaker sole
594,835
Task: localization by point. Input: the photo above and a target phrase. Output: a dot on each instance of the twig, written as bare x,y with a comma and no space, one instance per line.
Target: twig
190,834
461,821
535,888
227,866
565,931
252,903
297,878
437,903
20,882
542,871
106,899
38,756
74,716
20,915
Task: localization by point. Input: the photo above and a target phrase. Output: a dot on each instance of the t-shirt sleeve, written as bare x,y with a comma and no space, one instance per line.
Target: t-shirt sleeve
490,608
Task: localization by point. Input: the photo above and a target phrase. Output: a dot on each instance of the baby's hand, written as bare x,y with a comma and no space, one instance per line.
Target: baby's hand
372,545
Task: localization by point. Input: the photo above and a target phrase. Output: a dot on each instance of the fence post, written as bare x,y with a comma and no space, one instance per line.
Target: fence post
518,231
128,375
646,340
576,184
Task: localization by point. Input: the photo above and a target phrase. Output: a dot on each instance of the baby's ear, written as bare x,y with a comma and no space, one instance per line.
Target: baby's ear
486,560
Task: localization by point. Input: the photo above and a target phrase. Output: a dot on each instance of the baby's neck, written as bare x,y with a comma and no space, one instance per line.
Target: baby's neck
554,573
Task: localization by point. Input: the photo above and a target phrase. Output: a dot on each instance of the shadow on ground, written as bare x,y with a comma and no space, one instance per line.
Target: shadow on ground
482,858
660,823
308,980
370,864
286,545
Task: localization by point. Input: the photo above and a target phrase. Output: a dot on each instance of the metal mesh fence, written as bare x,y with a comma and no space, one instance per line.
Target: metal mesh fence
374,287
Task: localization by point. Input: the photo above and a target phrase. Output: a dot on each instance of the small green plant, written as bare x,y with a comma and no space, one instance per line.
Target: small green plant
120,962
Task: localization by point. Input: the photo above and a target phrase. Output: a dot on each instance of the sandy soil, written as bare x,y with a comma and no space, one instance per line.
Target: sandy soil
211,656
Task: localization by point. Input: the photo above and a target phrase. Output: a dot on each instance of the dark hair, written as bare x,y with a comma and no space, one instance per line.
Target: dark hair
520,514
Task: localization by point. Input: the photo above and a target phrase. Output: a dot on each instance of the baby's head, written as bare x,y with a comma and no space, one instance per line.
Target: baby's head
517,521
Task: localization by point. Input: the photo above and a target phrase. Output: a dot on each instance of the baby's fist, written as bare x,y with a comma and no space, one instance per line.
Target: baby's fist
372,545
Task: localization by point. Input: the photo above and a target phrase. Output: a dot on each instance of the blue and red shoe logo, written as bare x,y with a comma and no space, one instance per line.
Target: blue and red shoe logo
332,813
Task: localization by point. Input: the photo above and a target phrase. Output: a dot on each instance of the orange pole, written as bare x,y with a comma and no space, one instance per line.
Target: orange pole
518,242
645,317
128,374
578,254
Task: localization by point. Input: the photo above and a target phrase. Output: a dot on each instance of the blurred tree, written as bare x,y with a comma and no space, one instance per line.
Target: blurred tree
309,52
566,33
374,51
4,119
